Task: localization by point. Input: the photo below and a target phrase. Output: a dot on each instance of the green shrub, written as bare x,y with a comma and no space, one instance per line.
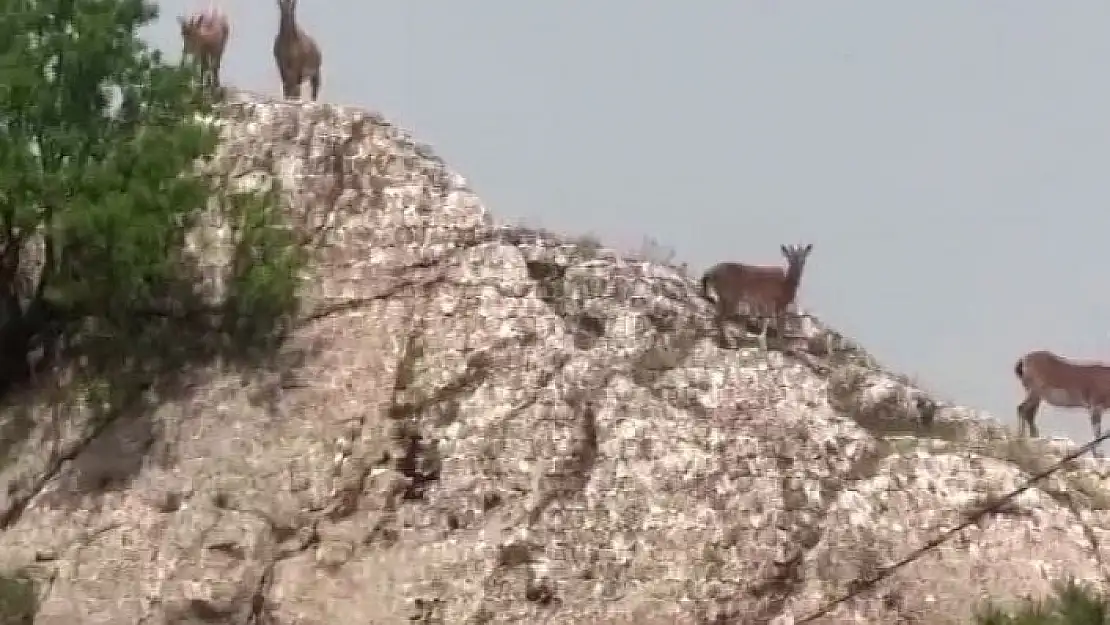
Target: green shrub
18,600
1071,604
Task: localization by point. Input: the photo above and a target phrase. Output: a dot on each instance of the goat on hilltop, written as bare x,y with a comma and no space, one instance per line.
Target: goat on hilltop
297,55
1062,383
204,36
768,291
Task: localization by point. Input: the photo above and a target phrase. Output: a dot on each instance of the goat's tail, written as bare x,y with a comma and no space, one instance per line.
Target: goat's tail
1019,368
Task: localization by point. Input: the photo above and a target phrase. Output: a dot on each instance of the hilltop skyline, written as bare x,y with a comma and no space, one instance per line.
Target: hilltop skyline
946,160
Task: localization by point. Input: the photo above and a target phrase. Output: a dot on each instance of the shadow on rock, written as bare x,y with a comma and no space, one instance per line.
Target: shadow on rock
89,422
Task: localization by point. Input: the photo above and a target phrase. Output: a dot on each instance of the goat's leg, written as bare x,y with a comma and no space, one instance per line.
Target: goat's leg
1027,415
212,73
203,71
315,83
722,336
1096,429
763,333
720,318
286,79
790,330
295,83
778,322
216,61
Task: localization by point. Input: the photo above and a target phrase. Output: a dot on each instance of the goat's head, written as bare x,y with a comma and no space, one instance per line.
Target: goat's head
210,26
796,256
188,33
188,26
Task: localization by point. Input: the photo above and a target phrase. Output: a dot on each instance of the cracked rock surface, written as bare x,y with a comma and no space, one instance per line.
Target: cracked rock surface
475,423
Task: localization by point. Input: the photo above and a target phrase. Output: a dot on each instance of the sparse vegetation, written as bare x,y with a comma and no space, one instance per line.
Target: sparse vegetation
654,252
18,600
1072,603
588,244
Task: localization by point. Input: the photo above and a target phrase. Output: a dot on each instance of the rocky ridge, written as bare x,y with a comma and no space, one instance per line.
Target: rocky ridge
477,423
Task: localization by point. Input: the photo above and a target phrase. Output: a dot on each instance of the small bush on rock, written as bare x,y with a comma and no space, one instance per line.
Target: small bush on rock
18,601
1072,604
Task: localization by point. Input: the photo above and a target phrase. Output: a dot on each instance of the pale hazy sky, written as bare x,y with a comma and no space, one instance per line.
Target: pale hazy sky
949,160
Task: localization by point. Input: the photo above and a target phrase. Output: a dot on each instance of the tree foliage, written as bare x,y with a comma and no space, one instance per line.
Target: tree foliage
99,141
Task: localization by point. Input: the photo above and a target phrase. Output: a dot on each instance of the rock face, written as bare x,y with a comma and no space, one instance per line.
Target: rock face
477,424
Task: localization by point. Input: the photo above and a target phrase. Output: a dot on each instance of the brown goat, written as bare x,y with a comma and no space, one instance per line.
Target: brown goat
297,55
1064,384
204,36
768,291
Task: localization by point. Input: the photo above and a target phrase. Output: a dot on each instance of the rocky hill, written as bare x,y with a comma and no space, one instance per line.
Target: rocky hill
475,423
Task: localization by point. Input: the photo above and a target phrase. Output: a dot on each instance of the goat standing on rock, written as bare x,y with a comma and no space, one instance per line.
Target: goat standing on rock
768,291
297,55
204,36
1064,384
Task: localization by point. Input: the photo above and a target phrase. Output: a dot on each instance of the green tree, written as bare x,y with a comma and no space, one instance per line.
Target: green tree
99,139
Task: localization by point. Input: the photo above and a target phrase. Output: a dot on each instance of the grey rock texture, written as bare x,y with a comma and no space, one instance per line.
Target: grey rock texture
477,423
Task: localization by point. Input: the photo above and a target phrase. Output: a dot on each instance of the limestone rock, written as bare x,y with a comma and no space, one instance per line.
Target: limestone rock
476,423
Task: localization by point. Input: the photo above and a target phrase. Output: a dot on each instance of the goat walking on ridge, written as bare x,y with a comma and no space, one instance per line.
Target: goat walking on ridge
204,36
297,55
768,291
1062,383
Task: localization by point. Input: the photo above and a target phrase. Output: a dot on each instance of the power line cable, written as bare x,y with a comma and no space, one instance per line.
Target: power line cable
860,586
